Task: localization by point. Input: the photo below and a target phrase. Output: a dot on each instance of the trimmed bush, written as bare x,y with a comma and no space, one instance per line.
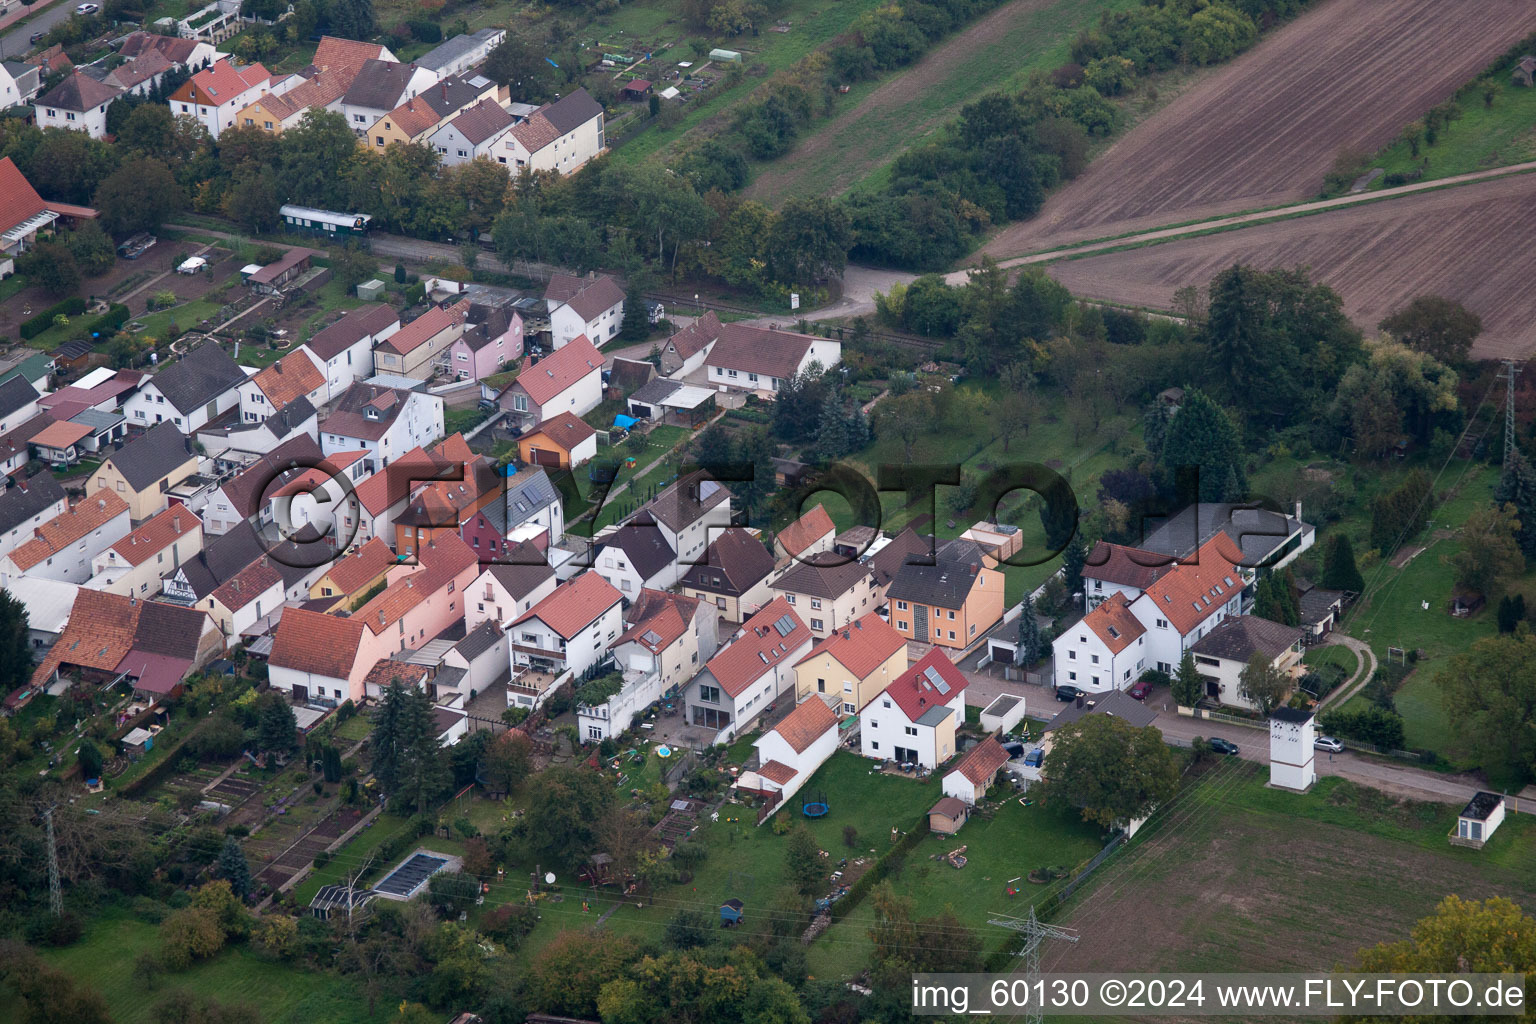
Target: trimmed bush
72,306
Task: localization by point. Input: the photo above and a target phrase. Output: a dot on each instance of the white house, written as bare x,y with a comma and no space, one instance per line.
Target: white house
751,672
1118,569
344,350
385,422
63,547
915,719
969,780
1224,652
200,386
290,378
690,513
686,350
379,87
1292,736
457,55
217,93
637,557
762,361
1190,600
568,380
510,588
570,629
79,103
18,83
593,306
790,752
560,136
482,656
666,639
472,134
26,505
1105,650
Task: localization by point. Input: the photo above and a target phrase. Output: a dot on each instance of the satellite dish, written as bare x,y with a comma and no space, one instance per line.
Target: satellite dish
549,878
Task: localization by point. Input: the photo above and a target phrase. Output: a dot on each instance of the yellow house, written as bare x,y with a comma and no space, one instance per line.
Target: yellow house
853,665
350,578
146,468
415,120
134,565
274,111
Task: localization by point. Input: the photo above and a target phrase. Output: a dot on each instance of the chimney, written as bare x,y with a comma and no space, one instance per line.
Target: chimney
176,523
1298,510
101,503
132,601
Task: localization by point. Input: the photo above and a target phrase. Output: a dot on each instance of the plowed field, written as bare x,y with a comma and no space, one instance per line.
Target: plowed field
1464,243
1264,130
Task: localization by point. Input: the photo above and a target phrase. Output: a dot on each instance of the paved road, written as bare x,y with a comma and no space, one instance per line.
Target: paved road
15,43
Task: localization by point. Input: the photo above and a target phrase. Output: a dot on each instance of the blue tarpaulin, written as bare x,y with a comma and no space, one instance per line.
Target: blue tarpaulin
624,422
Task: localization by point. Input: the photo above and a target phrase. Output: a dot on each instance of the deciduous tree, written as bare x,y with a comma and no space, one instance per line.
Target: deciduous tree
1263,684
1112,772
138,196
1436,326
1489,697
1489,553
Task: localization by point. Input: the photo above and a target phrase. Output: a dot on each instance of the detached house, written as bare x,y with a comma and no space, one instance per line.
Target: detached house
144,469
62,548
198,387
386,422
344,350
969,780
593,306
1106,650
951,603
561,442
914,720
291,378
473,134
851,666
1223,653
560,136
733,575
569,380
134,565
216,94
761,361
493,336
790,752
751,672
416,349
570,629
79,103
19,83
636,557
830,590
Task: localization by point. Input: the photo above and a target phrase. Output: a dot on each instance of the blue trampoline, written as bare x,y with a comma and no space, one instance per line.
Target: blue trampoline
815,806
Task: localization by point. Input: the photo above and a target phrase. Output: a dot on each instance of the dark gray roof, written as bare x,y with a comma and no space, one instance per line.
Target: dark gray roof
153,455
247,488
450,50
198,377
15,393
170,630
1481,806
351,329
223,557
934,715
826,575
1317,603
1242,636
686,501
1295,715
380,84
1115,702
645,545
528,492
629,374
946,583
655,390
734,563
522,570
24,500
480,639
887,562
1257,531
572,111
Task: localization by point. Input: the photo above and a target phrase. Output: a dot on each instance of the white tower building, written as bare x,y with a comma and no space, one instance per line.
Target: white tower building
1291,735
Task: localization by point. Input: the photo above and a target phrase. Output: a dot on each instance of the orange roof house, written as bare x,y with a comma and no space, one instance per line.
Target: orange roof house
352,575
969,780
62,548
750,672
560,442
811,534
791,752
571,628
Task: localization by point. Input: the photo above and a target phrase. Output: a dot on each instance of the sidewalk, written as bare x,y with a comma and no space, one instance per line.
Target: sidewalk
21,13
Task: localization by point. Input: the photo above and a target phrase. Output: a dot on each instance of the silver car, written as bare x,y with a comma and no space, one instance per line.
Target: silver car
1329,744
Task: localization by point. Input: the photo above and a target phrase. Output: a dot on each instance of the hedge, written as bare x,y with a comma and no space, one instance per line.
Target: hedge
72,306
894,858
116,315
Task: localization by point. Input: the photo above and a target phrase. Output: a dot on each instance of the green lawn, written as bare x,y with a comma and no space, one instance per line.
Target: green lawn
659,441
461,421
1337,655
280,993
1424,724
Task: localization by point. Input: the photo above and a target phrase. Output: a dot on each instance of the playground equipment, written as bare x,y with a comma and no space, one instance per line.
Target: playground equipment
815,806
731,913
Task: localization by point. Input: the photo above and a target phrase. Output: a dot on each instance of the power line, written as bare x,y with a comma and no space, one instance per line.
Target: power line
55,891
1035,933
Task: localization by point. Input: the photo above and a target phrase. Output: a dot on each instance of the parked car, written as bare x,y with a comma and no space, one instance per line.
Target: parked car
1141,689
36,37
1068,693
1035,758
84,9
487,405
1329,744
1222,746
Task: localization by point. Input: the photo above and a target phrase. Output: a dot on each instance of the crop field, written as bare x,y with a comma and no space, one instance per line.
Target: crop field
899,112
1263,130
1464,244
1216,888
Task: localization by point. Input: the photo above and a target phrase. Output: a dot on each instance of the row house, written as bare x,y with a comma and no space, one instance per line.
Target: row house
735,575
344,350
591,306
420,347
385,422
135,564
665,640
749,673
62,548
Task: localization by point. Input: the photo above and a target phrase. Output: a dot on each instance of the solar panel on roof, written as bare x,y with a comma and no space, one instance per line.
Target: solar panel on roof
785,625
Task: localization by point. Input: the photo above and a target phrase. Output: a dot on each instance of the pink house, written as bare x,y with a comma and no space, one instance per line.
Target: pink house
319,655
493,335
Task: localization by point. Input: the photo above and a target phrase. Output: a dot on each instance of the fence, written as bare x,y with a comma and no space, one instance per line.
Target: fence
1001,957
1218,716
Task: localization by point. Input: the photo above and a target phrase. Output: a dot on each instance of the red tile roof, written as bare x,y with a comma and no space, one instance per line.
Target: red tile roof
696,337
426,327
99,633
1113,623
485,120
385,489
350,573
657,619
19,201
414,116
387,670
61,433
982,761
221,82
806,530
565,430
247,585
535,133
63,530
156,535
861,647
1198,587
442,560
778,772
1127,566
575,605
293,376
804,725
346,55
758,647
550,376
916,694
313,642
